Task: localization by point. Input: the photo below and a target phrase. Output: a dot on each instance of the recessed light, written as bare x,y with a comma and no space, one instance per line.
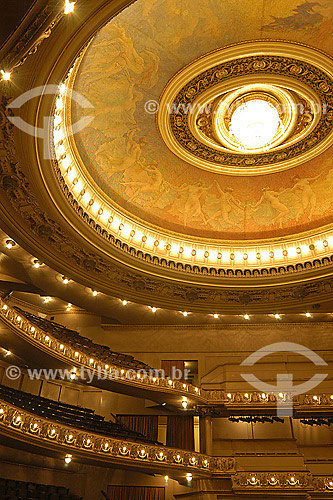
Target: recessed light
10,244
69,7
5,75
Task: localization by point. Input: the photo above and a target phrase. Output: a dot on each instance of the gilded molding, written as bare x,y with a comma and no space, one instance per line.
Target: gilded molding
311,75
176,264
44,432
286,481
46,20
252,62
272,480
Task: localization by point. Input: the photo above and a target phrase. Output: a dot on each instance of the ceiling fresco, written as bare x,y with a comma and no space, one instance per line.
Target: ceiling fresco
129,63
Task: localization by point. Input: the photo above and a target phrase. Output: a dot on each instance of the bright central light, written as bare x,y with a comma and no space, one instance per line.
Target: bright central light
255,123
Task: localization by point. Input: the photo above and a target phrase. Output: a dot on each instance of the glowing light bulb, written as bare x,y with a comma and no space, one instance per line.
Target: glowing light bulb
255,123
154,309
185,313
10,244
5,75
216,316
69,7
68,459
124,302
308,315
94,292
246,316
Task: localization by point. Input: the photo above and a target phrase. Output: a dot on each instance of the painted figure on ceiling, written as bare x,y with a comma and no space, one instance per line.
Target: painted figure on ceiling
114,164
190,204
227,203
272,197
304,16
152,183
308,196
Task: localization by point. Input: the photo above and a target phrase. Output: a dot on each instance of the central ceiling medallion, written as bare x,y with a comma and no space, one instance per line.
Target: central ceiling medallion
240,114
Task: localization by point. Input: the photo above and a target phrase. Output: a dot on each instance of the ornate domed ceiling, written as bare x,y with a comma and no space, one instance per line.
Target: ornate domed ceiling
167,176
167,185
124,72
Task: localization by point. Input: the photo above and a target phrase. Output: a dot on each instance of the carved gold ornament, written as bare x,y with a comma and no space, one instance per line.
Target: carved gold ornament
197,107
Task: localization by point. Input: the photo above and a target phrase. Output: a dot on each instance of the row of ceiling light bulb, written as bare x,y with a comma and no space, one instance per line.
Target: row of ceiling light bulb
187,252
68,9
184,313
37,264
176,250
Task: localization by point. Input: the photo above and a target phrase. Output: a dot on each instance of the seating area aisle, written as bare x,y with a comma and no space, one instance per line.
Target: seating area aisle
76,416
19,490
74,339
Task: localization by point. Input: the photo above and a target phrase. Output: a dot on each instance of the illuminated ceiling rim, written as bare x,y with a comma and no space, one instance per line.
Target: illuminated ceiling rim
198,78
148,238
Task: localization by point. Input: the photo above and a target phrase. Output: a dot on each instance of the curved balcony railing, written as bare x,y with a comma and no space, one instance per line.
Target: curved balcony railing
41,432
228,403
77,357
